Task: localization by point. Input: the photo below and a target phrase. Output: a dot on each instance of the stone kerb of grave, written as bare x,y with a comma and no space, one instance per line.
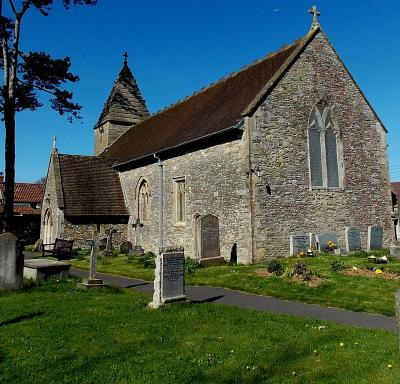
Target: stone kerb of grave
11,262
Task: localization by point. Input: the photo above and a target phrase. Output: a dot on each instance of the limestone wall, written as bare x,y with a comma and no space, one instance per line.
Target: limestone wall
280,148
215,183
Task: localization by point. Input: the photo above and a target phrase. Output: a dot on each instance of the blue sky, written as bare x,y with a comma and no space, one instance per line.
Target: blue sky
178,46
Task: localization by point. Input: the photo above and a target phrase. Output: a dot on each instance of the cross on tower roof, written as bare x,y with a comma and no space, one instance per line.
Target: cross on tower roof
54,148
125,57
315,14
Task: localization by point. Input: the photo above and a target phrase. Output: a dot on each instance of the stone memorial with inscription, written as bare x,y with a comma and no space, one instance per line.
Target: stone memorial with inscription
169,282
11,262
353,239
395,249
299,243
323,238
208,240
375,237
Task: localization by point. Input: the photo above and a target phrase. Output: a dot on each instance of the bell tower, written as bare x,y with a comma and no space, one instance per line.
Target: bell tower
124,108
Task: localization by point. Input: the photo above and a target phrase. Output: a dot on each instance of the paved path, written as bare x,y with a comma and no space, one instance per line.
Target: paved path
261,303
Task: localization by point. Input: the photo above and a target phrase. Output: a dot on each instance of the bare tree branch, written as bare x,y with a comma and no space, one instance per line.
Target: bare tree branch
13,7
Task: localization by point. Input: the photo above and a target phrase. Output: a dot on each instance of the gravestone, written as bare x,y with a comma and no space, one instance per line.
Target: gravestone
299,243
137,248
395,249
312,241
353,239
208,240
375,237
169,281
42,269
11,262
323,238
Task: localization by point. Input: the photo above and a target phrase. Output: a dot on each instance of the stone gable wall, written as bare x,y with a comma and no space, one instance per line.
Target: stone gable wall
280,152
215,183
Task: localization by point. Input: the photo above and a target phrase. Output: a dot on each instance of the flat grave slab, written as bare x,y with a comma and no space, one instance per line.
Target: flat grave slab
44,268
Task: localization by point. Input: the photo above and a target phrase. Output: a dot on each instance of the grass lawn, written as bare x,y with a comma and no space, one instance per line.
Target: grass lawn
357,293
55,333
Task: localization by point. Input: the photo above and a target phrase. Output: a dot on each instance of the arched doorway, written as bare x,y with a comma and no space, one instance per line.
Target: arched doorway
48,228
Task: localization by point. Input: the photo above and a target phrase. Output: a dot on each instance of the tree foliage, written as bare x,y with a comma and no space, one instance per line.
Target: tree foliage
25,74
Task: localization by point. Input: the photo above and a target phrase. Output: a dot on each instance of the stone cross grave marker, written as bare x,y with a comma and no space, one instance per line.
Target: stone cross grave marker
323,238
137,248
169,281
353,239
11,262
92,281
299,243
375,237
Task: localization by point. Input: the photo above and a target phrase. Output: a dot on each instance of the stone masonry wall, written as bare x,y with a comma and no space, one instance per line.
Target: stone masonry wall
83,232
215,183
50,204
280,149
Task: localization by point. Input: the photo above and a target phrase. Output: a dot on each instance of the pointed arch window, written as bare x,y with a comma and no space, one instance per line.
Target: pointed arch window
324,149
144,201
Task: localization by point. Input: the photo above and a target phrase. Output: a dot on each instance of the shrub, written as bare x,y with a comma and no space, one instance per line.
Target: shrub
29,248
300,269
149,263
125,247
103,260
338,265
191,265
275,267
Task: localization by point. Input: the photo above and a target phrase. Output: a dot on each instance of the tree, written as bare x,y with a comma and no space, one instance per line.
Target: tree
26,73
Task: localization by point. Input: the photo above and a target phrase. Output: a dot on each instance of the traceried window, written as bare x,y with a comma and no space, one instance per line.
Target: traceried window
144,201
180,200
323,143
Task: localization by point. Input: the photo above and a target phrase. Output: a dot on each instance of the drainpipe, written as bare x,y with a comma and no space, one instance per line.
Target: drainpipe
160,203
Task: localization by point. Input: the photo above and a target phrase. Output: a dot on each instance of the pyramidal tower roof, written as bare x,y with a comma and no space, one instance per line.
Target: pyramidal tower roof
125,104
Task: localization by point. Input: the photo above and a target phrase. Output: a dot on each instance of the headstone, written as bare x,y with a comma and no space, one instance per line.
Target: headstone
208,239
323,238
312,241
169,282
353,239
38,246
109,245
375,237
395,249
299,243
11,262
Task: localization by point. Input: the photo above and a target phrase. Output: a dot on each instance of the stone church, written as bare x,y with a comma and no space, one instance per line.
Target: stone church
286,145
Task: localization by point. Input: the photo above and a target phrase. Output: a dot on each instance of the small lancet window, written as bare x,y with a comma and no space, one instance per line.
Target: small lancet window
323,143
144,201
180,200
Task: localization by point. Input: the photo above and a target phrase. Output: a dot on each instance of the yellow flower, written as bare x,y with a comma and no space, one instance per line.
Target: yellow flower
389,365
341,344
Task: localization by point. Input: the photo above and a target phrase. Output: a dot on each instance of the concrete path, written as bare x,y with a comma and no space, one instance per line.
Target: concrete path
261,303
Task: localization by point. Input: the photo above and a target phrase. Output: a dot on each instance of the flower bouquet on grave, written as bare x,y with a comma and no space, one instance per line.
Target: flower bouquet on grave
331,246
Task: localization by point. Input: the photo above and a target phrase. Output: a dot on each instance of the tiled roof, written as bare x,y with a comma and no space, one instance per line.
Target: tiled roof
90,187
212,110
27,192
125,103
23,210
396,188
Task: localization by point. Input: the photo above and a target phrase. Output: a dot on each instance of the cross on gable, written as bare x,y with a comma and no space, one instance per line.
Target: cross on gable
315,14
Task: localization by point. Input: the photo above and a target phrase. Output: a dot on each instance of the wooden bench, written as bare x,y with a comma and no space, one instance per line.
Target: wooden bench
61,249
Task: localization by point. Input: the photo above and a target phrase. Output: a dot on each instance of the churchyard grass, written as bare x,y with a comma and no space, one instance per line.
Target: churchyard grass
357,293
55,333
